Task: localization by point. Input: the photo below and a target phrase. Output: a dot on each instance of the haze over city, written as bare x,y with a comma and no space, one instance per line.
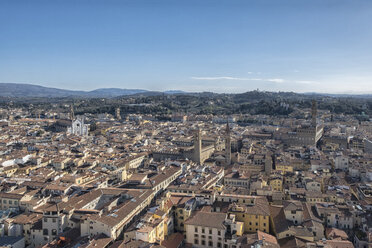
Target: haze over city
218,46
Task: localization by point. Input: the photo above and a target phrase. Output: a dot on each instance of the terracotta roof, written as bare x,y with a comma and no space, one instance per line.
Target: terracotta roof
10,196
207,219
174,241
278,216
332,233
340,244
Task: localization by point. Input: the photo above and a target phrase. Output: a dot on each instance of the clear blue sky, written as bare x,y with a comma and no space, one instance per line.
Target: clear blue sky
192,45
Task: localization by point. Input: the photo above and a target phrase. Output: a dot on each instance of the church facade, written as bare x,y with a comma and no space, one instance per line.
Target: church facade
78,127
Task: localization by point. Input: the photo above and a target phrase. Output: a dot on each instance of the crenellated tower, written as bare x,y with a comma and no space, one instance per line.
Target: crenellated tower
197,146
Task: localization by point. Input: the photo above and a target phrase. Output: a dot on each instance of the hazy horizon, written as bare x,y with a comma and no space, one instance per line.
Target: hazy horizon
321,46
175,90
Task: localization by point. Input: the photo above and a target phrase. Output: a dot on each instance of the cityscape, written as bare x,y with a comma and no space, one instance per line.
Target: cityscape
136,179
185,124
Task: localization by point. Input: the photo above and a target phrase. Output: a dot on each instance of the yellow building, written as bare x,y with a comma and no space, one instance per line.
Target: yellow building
276,183
254,214
181,206
282,168
9,170
153,227
218,187
182,212
162,227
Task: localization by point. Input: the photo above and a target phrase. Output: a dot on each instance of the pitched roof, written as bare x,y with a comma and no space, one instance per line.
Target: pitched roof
174,241
335,233
207,219
278,216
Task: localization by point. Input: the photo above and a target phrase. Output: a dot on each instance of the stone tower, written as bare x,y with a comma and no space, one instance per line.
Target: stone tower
227,144
197,146
268,163
313,113
117,113
72,114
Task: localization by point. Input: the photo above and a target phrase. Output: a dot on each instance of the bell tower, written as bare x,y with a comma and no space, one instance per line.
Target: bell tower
72,114
228,144
313,113
197,146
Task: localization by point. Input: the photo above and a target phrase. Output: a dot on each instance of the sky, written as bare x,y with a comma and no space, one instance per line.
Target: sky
224,46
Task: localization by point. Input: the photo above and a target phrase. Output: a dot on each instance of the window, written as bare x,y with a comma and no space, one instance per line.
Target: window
256,223
10,202
54,220
219,233
219,245
203,242
196,229
4,201
54,232
196,236
45,219
196,241
210,243
203,230
45,231
210,231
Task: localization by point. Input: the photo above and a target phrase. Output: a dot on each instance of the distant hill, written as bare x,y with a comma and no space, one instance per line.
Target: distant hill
30,90
113,92
36,91
339,95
